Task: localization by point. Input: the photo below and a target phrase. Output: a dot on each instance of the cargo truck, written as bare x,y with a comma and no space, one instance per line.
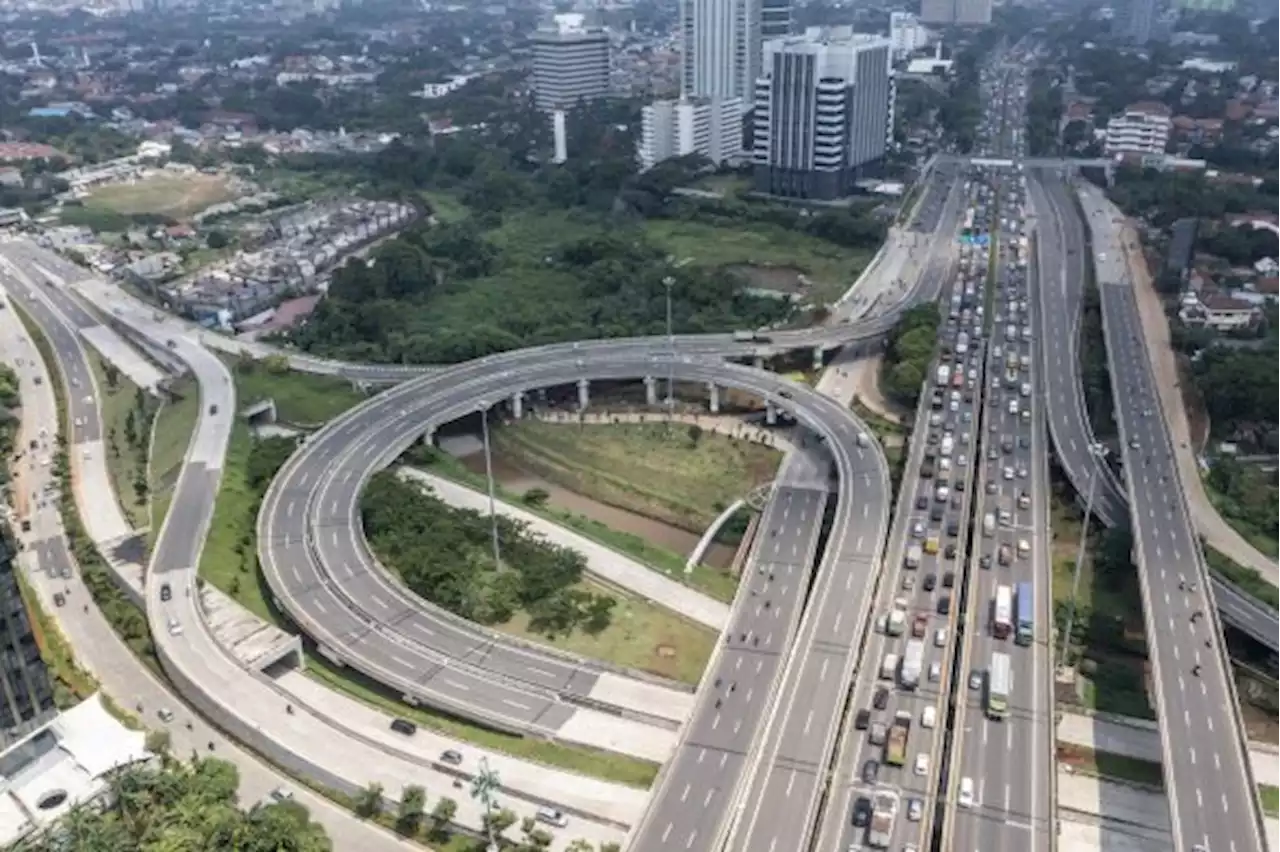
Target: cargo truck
888,666
912,662
884,811
751,337
948,445
914,554
944,375
895,750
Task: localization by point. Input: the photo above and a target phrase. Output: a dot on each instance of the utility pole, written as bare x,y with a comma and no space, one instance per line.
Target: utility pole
488,475
668,282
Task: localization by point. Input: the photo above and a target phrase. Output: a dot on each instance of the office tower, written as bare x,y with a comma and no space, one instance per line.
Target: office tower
775,18
956,12
570,62
711,127
906,35
1141,18
721,42
26,695
823,112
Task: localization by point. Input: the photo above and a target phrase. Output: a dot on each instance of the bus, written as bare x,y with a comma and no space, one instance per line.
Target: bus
999,682
1026,620
1002,616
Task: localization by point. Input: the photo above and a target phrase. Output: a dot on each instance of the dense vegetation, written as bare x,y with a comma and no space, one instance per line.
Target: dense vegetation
444,554
1240,389
544,253
1044,107
1162,197
911,348
10,401
1095,374
182,807
1248,496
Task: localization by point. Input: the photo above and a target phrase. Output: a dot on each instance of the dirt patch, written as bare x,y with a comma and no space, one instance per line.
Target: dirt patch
784,279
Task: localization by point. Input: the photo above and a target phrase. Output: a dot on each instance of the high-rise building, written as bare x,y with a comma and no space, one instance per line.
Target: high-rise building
775,18
711,127
906,35
823,112
1140,20
26,695
721,44
956,12
570,62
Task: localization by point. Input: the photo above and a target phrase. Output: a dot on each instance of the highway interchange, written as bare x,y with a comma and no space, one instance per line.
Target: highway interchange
766,723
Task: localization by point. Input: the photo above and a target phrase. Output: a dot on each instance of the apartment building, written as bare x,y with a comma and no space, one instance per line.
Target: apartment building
711,127
1143,128
26,693
721,47
956,12
823,112
906,34
570,62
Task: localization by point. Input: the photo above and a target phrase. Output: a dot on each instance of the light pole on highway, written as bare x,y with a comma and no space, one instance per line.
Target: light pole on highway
668,282
483,786
1098,452
488,475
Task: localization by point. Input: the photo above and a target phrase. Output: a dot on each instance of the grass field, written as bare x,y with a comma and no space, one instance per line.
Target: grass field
446,207
1116,766
1270,799
641,636
301,398
119,397
173,425
176,196
680,475
728,185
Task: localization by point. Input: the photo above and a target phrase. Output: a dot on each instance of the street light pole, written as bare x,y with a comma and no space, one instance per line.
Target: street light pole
488,475
1096,452
668,282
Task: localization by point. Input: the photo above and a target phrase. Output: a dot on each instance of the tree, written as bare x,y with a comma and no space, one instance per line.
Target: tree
409,812
217,240
442,815
369,800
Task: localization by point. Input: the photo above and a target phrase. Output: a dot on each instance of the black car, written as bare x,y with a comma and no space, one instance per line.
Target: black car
930,582
953,528
935,514
881,699
950,552
862,812
985,561
404,726
922,502
944,605
165,592
862,720
870,770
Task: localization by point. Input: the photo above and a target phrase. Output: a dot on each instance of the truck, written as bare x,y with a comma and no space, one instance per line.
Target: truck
912,663
914,554
895,750
926,467
944,375
750,337
948,445
884,812
962,343
896,623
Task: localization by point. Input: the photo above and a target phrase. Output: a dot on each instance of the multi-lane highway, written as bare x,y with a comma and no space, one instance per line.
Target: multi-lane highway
1213,803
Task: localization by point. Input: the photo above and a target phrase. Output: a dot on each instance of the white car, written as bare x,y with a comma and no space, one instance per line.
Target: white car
935,672
940,638
280,794
1008,473
929,718
915,810
175,627
922,764
966,793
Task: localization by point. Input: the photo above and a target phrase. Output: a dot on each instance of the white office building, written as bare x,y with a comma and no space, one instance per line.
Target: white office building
907,34
711,127
570,62
1140,20
721,48
1142,128
823,112
956,12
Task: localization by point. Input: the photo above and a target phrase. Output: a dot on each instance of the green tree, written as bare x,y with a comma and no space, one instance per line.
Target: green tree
369,801
217,240
409,812
442,816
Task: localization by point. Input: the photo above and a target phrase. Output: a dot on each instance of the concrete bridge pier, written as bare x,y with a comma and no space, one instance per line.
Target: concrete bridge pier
584,394
758,362
817,358
650,391
429,437
713,397
770,414
517,405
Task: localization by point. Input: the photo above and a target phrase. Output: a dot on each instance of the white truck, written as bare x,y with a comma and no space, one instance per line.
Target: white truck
914,554
884,811
888,666
948,446
943,375
962,343
912,663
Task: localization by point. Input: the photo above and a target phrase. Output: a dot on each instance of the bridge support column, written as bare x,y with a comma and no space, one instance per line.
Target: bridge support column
758,362
584,394
713,397
517,405
770,414
650,391
429,437
817,358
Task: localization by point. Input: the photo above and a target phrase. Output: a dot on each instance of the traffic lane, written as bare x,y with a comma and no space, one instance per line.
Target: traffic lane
710,759
1204,697
72,364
